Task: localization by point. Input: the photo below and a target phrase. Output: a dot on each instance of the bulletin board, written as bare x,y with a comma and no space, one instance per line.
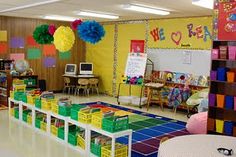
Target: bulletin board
136,64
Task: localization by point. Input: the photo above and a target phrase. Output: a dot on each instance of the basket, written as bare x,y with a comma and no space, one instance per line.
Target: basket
96,149
97,120
31,99
61,133
115,123
16,113
46,104
81,141
120,150
74,111
18,95
85,117
25,117
37,123
64,110
43,126
72,138
38,103
29,119
54,130
54,108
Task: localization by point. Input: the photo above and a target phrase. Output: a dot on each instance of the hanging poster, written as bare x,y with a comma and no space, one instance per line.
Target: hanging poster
226,20
137,46
136,64
180,33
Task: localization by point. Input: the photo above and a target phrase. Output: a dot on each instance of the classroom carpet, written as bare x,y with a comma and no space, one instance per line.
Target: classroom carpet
148,129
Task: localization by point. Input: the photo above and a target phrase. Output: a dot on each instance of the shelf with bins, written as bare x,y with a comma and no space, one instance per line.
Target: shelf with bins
222,96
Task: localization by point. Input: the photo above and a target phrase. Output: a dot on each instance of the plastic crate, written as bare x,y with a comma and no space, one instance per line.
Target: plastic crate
72,138
18,95
120,150
61,133
81,142
45,104
96,149
55,108
31,99
12,111
74,111
54,130
29,119
64,110
84,117
43,126
114,124
25,117
97,120
12,94
37,123
16,113
38,103
24,98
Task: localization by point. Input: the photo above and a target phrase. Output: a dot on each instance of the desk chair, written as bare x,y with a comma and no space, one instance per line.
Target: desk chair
93,84
67,85
82,84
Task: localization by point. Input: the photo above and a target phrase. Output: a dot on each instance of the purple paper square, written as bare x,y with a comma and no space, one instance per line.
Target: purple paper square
212,99
213,75
49,62
17,42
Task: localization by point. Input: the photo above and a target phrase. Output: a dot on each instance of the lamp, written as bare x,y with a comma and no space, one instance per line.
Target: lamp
59,18
93,14
203,3
145,9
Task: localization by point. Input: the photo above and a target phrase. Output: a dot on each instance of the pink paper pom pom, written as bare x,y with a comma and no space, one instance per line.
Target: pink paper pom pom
75,24
51,29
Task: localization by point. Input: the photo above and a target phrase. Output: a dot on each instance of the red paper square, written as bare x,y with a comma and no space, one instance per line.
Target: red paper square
137,46
31,41
3,48
49,50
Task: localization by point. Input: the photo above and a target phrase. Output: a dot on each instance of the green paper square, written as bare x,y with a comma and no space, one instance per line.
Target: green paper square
34,53
65,55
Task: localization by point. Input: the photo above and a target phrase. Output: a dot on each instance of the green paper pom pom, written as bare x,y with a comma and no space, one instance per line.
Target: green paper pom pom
41,35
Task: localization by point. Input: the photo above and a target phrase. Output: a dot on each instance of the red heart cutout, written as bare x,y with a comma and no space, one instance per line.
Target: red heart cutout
176,37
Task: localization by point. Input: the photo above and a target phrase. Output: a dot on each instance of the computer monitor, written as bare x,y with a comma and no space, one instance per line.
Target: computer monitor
86,68
71,69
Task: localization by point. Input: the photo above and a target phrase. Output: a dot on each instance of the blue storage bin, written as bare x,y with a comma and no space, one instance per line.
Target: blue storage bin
221,74
228,128
229,102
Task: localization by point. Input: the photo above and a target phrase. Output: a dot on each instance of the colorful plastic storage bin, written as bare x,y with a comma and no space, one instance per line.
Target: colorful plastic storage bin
54,130
43,126
97,120
81,141
120,150
38,103
96,149
64,110
221,74
220,100
214,53
61,133
230,76
55,108
114,124
232,52
74,111
72,138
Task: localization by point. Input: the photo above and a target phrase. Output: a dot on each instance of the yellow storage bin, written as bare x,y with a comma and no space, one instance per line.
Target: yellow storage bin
54,107
46,104
81,142
97,119
29,119
19,88
85,117
54,130
12,110
31,99
43,126
120,150
12,94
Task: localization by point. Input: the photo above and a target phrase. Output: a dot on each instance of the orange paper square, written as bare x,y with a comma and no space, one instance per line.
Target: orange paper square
49,50
3,48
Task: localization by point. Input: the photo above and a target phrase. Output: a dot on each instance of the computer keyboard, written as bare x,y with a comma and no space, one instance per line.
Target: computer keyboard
85,75
69,75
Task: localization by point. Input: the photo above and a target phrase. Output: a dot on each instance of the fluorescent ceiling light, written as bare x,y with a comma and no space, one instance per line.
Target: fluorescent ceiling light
203,3
29,5
59,18
92,14
145,9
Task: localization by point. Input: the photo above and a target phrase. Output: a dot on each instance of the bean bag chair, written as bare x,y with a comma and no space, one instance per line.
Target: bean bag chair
197,123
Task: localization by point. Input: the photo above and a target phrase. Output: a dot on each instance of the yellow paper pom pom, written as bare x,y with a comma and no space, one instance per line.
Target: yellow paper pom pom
64,38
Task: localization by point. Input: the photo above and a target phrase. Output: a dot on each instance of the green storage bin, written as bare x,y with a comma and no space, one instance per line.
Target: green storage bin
16,113
72,138
24,98
61,133
64,110
38,103
18,95
38,123
96,149
74,111
114,124
25,117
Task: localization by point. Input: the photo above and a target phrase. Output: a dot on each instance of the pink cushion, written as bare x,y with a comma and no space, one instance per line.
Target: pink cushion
197,123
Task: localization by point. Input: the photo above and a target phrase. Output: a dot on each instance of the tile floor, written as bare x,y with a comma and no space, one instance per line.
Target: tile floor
17,140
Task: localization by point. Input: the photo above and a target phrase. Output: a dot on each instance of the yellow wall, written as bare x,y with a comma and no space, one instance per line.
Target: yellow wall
127,32
101,55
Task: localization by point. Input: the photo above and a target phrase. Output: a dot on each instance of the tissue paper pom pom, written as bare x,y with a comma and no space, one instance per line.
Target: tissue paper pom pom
75,24
41,35
91,31
51,29
64,38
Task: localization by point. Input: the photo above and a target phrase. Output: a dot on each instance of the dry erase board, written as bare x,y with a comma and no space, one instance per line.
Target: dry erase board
195,62
136,64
